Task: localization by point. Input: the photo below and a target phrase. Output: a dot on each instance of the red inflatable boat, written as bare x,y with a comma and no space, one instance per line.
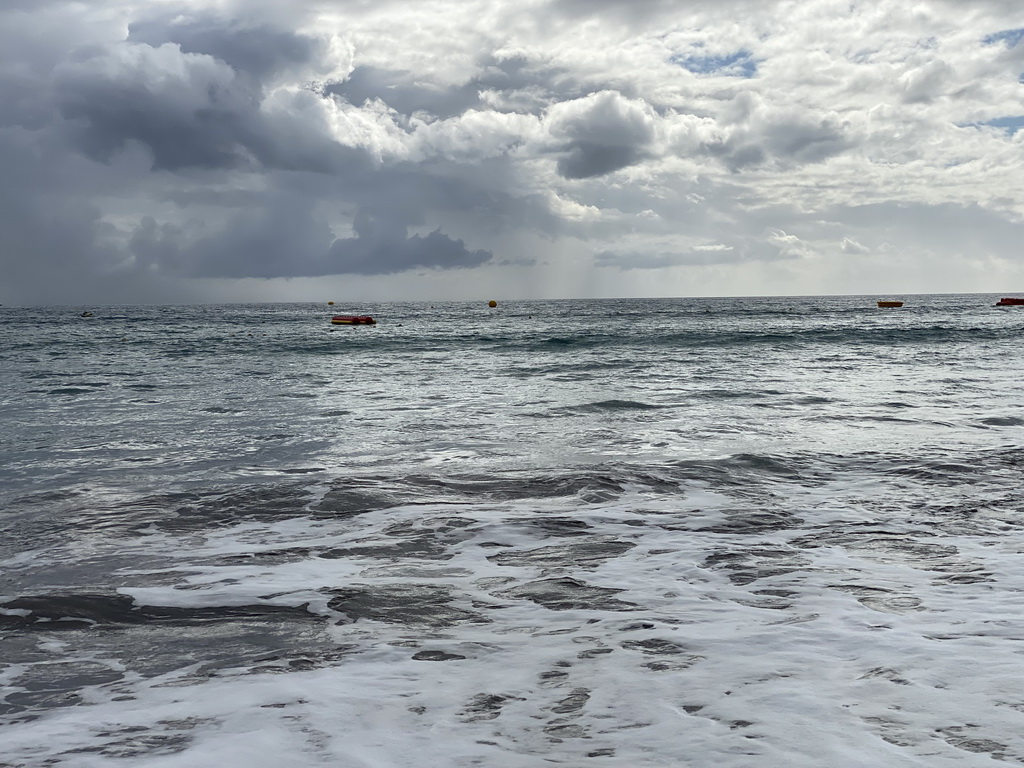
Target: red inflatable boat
353,320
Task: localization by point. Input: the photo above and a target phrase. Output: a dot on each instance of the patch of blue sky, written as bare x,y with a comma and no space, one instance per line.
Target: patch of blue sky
737,64
1010,124
1009,36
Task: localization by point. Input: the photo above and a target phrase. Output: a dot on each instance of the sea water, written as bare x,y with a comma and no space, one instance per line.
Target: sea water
686,532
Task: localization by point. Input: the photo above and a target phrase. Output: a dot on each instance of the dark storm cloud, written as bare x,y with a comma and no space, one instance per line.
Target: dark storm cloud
804,140
601,134
381,246
187,110
285,238
586,159
259,51
245,188
787,140
192,92
405,92
202,118
400,91
281,238
54,244
736,155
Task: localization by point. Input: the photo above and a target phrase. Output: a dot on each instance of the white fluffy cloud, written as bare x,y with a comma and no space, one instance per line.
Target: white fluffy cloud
179,150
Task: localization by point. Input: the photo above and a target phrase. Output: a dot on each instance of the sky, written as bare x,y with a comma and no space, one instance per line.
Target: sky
175,151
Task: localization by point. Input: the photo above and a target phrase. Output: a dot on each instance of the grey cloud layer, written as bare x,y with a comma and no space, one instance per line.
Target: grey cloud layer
254,144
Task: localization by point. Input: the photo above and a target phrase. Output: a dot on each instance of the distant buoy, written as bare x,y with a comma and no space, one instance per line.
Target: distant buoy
492,303
330,303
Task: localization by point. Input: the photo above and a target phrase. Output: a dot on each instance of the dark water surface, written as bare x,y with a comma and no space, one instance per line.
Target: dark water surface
768,531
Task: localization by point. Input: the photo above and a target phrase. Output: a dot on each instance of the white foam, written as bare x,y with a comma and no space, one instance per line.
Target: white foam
857,657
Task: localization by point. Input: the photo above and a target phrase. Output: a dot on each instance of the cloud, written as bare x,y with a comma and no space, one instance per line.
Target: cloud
924,84
849,245
261,51
188,110
771,245
754,132
179,149
600,133
380,247
504,81
286,238
663,260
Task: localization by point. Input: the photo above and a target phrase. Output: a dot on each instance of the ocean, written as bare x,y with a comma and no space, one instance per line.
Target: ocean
675,532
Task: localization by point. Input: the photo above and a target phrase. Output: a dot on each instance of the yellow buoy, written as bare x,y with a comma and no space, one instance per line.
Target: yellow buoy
492,303
330,303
